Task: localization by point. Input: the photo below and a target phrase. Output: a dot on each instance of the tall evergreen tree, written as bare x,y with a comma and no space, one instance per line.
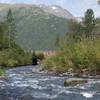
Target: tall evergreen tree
11,28
89,22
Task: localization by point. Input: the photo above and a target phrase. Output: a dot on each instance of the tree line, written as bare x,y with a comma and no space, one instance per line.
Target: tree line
85,28
7,32
80,50
11,54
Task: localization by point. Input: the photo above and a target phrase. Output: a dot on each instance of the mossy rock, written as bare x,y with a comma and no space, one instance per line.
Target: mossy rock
74,82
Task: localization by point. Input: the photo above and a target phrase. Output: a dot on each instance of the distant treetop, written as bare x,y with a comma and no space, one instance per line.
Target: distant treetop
98,2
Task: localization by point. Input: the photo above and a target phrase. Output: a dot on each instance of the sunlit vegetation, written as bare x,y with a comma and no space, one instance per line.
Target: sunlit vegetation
11,54
80,50
35,26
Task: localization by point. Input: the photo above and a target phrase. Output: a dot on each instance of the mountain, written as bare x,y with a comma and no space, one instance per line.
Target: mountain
57,11
37,26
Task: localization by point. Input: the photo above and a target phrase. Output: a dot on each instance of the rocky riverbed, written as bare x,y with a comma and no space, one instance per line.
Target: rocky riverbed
22,84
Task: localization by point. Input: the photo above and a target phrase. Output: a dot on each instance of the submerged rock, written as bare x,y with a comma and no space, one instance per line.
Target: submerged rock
74,82
29,97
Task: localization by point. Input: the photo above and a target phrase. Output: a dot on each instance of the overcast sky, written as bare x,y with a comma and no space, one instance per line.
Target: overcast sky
76,7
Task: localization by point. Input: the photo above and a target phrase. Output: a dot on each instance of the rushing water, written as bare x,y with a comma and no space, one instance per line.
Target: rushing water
22,84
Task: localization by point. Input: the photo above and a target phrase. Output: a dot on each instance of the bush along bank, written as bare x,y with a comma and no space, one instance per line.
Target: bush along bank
78,56
12,57
79,52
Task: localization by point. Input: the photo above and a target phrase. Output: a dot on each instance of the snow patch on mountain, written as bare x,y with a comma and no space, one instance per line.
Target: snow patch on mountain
53,7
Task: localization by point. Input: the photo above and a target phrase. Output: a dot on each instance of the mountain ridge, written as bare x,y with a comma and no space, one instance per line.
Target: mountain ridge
36,29
53,9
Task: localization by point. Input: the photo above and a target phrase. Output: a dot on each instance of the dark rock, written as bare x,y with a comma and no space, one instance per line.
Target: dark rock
26,97
34,61
74,82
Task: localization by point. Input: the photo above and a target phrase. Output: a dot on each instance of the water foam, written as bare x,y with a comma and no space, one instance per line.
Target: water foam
45,95
88,94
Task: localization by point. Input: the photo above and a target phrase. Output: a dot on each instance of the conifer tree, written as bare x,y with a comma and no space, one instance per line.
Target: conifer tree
11,28
89,22
98,2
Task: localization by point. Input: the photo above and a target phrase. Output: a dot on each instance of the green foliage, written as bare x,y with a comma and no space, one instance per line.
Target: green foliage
79,51
3,36
11,54
76,30
13,57
34,54
98,2
84,54
57,41
11,28
11,63
33,24
37,55
42,30
86,28
89,22
40,56
98,20
1,72
96,31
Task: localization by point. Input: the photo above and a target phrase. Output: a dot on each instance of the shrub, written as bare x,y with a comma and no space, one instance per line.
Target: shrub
84,54
40,56
1,72
12,57
12,62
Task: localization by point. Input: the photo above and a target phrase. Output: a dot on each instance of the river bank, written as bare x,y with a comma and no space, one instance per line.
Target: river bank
39,69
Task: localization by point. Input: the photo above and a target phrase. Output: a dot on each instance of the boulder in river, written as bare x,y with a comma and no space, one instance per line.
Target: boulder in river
74,82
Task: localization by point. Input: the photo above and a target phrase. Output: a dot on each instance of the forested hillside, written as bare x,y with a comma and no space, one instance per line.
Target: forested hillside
35,28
